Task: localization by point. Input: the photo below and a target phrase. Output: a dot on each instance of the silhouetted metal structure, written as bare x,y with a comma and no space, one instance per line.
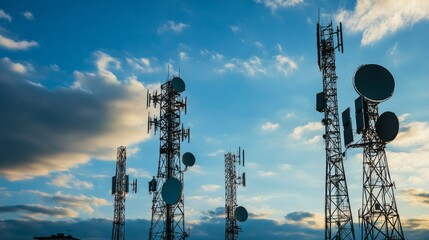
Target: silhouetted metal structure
119,189
379,212
168,209
232,211
338,215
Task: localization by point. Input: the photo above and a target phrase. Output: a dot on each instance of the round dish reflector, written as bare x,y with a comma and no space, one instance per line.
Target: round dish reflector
171,191
374,82
387,126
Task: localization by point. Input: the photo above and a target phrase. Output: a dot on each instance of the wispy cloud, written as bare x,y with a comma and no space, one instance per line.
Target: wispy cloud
277,4
234,28
143,65
16,45
183,56
417,196
285,65
4,15
28,15
70,181
214,55
216,153
211,188
376,19
172,26
138,173
269,126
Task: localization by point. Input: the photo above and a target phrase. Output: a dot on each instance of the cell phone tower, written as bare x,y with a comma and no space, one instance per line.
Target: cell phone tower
168,208
338,214
120,188
233,212
379,213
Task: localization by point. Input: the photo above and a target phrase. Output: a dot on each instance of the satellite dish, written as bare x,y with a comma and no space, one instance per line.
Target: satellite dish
188,159
178,84
171,191
387,126
374,82
241,214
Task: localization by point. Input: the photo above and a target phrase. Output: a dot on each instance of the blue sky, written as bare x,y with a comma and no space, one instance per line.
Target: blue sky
74,76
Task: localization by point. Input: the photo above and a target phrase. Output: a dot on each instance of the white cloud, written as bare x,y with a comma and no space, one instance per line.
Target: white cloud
279,48
70,181
4,15
269,126
36,211
285,167
276,4
259,44
172,26
28,15
376,19
142,64
211,188
413,135
15,67
183,56
55,67
285,65
299,131
234,29
16,45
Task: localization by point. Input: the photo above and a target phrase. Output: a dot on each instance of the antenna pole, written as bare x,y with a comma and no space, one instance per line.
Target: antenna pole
168,220
119,189
338,214
232,180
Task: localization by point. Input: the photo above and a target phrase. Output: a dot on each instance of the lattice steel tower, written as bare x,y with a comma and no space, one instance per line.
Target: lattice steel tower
233,212
168,209
338,215
379,212
120,187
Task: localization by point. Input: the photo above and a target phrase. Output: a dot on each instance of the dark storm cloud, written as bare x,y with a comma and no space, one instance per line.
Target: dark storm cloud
55,211
44,130
298,216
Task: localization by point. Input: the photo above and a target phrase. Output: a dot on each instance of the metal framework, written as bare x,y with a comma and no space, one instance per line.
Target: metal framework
232,180
379,213
168,221
119,189
338,215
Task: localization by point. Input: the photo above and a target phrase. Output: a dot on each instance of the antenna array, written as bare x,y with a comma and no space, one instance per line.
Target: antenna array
338,215
168,209
233,212
379,213
120,187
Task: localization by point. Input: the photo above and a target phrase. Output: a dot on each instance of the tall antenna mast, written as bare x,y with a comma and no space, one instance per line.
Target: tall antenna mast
233,212
168,208
379,214
338,215
120,188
